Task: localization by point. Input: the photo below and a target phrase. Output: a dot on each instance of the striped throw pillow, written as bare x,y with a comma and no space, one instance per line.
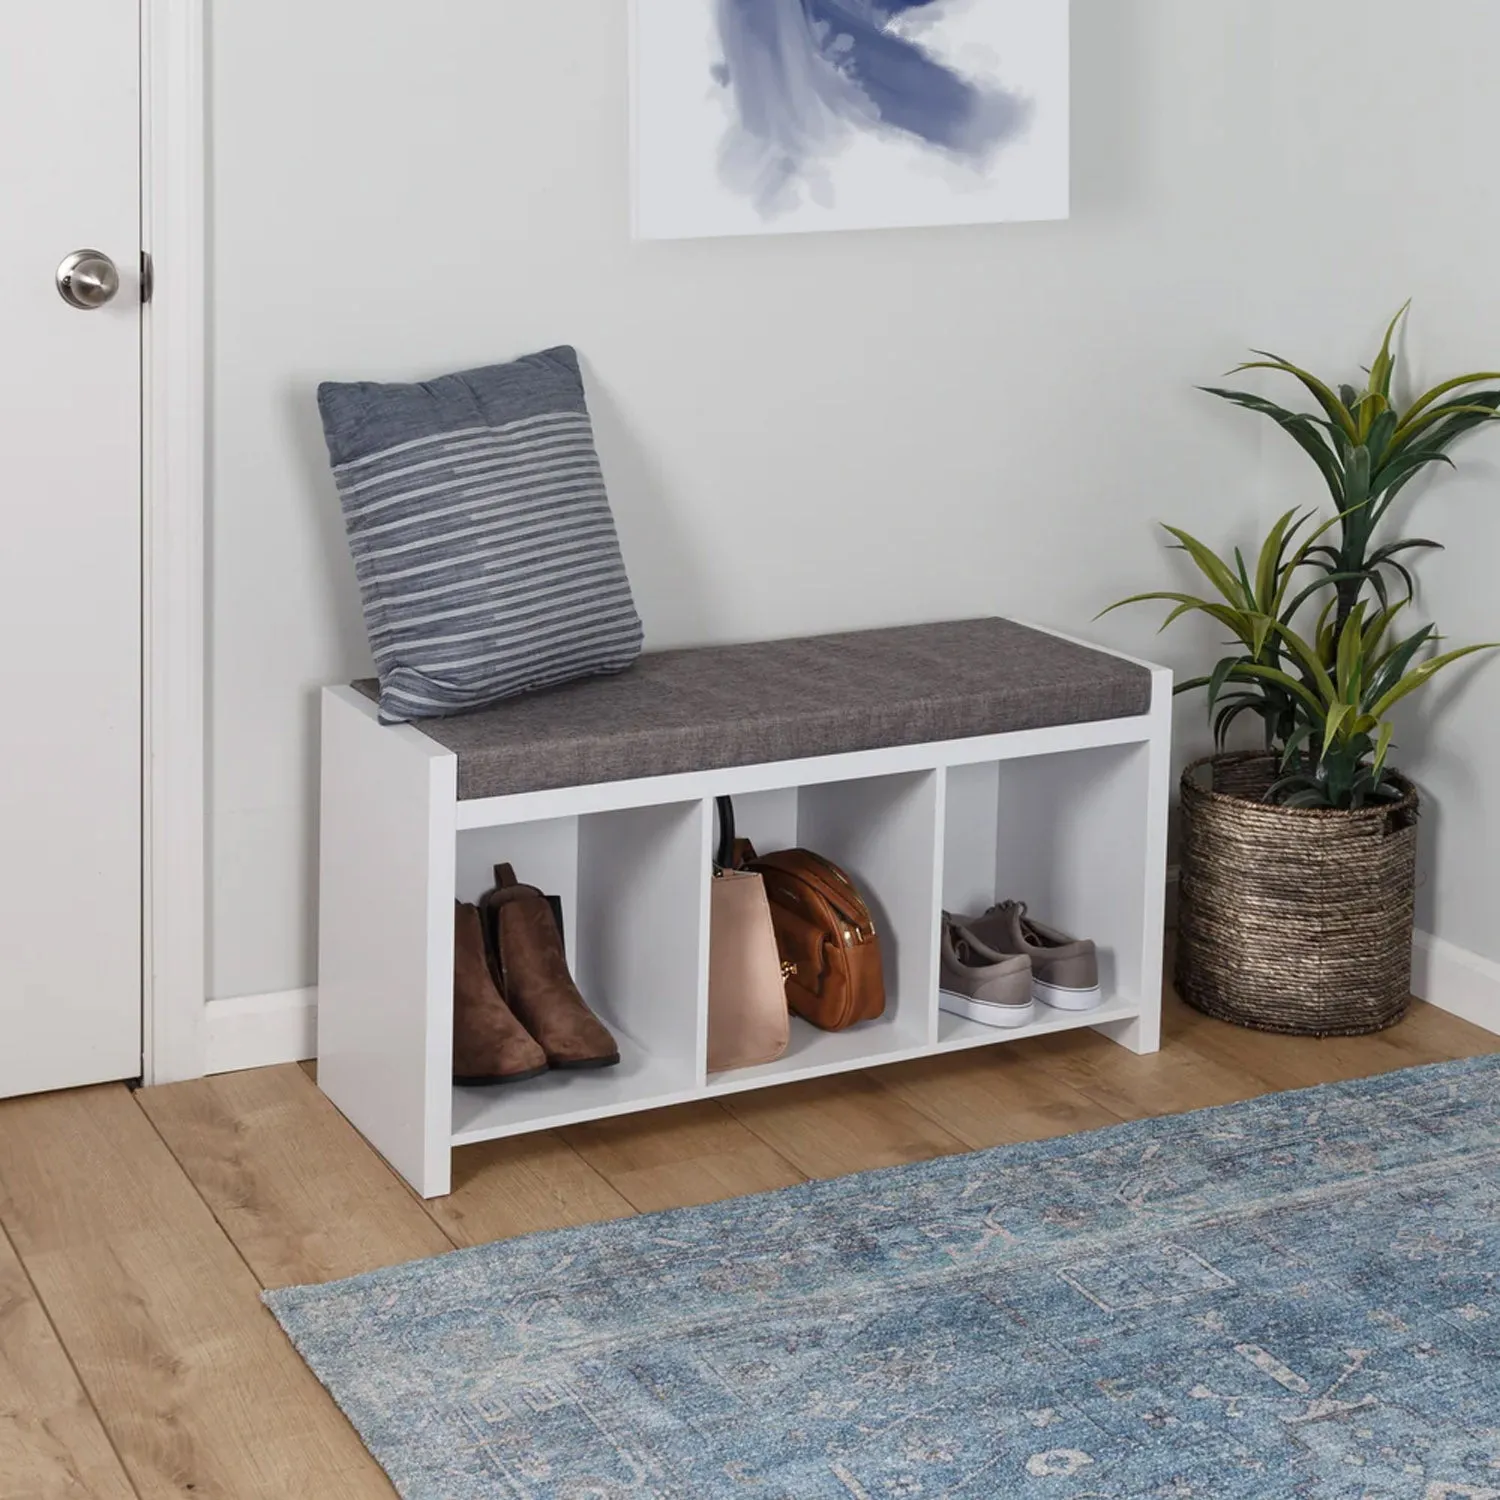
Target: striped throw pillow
482,536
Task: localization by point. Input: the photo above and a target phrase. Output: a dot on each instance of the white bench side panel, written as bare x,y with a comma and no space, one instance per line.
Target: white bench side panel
1143,1034
385,944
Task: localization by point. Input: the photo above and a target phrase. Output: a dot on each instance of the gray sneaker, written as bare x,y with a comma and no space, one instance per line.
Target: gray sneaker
982,985
1065,970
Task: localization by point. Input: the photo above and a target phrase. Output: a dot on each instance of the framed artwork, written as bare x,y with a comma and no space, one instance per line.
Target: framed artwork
784,116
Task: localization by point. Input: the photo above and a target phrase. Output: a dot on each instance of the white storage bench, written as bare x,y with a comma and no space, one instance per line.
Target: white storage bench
942,765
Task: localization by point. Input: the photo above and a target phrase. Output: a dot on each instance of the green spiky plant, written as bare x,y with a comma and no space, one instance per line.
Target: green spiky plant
1249,607
1336,754
1369,448
1323,702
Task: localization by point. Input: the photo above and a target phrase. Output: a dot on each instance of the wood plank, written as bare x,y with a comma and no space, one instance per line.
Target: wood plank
829,1126
196,1386
1168,1082
1295,1062
1431,1035
674,1158
293,1184
52,1446
992,1097
520,1186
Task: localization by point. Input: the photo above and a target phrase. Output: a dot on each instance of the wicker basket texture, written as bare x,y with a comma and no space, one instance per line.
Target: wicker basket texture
1293,920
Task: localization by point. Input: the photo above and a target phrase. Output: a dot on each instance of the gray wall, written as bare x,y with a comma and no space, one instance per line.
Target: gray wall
823,431
1379,146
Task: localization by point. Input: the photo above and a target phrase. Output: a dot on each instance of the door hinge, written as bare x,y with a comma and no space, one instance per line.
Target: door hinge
148,277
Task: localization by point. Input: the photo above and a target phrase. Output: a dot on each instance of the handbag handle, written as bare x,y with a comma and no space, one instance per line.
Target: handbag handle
733,853
725,857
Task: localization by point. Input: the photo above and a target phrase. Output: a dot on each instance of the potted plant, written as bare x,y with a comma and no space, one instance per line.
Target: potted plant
1298,859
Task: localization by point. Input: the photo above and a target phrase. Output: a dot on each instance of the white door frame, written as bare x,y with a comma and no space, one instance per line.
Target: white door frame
173,498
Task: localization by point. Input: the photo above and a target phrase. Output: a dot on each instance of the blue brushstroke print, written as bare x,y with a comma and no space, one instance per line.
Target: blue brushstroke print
801,74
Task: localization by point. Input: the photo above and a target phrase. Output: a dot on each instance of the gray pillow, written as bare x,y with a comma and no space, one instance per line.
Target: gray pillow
481,533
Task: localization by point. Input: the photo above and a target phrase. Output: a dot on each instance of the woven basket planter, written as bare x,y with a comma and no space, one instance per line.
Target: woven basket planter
1293,920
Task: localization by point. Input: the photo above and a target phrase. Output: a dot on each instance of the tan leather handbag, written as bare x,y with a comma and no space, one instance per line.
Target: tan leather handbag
826,937
748,1021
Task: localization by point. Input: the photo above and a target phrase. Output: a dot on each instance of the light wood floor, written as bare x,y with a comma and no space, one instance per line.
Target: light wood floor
138,1229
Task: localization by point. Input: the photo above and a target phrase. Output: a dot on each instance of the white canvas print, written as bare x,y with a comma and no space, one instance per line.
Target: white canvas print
780,116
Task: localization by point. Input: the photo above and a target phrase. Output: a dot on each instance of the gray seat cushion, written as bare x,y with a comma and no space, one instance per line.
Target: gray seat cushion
721,706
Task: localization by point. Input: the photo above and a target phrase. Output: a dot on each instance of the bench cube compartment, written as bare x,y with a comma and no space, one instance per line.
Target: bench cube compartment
881,830
1050,785
1069,834
630,883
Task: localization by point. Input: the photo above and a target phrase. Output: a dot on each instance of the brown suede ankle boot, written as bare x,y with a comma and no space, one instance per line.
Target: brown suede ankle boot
489,1044
527,948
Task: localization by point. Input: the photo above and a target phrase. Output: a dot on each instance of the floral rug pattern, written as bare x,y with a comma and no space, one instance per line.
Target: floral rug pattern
1297,1296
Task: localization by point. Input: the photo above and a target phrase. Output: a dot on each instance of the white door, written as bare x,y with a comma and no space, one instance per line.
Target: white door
70,548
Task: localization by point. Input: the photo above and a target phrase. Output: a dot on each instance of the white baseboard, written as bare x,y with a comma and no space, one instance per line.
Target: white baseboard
1455,980
258,1031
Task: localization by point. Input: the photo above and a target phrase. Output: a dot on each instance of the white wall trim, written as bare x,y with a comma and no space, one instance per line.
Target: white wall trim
1455,980
173,371
259,1031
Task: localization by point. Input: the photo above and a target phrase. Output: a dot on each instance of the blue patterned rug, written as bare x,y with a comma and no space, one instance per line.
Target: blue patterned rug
1296,1296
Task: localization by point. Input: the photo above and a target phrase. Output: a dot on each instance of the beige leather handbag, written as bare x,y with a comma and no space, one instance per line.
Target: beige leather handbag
748,1022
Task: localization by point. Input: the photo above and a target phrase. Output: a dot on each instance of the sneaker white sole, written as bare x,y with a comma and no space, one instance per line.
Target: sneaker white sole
1002,1017
1058,997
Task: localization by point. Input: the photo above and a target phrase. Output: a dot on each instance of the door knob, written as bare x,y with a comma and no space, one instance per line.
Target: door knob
87,279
